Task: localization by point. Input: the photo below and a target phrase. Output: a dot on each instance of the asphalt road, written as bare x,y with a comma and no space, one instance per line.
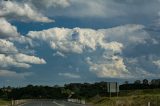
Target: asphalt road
51,103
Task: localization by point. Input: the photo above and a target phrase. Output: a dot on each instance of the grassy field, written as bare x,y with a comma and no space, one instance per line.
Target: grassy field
4,102
129,98
141,100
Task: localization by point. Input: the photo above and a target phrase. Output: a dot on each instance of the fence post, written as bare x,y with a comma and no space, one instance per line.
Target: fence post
157,101
12,102
149,103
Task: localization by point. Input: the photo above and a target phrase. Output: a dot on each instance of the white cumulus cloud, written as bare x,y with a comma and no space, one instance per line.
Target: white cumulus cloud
76,40
19,60
157,63
70,40
6,29
113,68
23,58
12,56
22,11
111,41
7,61
127,34
7,47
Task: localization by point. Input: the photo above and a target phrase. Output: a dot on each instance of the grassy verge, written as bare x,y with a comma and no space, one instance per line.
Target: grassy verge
4,102
129,98
141,100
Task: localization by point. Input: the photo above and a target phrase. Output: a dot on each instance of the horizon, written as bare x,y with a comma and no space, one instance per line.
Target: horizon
63,85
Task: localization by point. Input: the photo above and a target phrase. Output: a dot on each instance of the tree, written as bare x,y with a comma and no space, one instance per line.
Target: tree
126,82
145,82
137,82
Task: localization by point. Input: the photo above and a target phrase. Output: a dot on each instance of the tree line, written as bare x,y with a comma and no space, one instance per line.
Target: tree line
138,84
72,90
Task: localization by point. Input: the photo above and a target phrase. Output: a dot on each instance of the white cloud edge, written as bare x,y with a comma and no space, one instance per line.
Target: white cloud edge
69,75
23,12
13,74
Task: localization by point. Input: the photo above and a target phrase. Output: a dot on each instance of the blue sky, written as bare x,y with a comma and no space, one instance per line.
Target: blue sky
52,42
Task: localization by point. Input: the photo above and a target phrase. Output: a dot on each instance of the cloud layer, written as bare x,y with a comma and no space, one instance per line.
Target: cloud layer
11,74
129,49
10,55
113,43
50,3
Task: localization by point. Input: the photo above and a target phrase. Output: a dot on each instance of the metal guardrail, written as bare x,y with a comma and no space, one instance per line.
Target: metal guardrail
19,102
80,101
23,101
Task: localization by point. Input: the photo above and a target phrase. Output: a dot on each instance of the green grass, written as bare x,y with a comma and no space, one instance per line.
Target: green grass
129,98
4,102
129,101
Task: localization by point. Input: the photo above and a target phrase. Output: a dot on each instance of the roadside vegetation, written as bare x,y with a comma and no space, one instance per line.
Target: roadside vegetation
134,94
136,100
4,102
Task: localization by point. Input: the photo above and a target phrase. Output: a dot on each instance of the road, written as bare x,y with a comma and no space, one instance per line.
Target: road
51,103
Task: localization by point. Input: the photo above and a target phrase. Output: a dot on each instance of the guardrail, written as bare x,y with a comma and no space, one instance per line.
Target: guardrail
23,101
80,101
19,102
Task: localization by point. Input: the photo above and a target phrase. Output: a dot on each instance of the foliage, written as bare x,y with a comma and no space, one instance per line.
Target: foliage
79,90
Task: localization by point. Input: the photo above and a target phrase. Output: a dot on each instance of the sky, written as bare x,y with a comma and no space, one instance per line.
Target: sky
49,42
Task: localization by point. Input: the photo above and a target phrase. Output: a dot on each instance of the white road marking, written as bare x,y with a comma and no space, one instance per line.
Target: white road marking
58,104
